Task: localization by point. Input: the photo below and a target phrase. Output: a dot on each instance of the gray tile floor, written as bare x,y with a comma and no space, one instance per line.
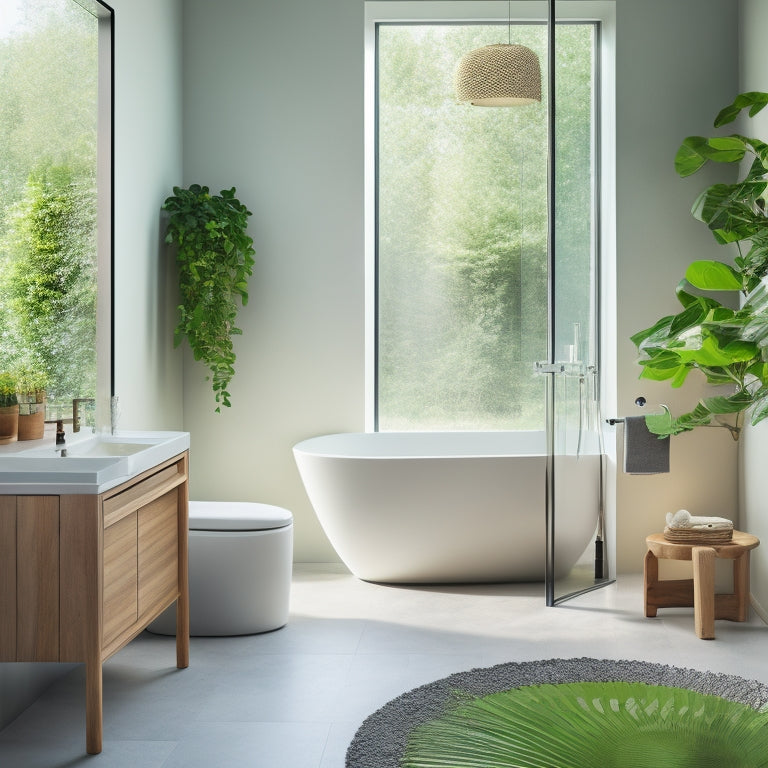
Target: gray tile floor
295,697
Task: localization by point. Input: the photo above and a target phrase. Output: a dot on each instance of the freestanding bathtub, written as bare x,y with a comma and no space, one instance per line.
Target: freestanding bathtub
447,507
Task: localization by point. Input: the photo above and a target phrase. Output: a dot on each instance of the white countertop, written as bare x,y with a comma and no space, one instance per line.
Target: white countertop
94,463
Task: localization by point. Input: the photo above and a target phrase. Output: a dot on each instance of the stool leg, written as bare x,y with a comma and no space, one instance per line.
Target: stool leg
704,591
741,586
650,579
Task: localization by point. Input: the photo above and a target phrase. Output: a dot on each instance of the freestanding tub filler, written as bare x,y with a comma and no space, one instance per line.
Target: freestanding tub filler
447,507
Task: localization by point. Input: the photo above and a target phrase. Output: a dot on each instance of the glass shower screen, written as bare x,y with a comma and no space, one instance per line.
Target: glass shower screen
576,557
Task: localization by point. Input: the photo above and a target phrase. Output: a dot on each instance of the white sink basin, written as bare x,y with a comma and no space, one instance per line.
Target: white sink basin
107,448
91,465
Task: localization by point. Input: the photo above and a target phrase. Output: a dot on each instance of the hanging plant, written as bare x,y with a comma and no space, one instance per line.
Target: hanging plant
728,346
215,259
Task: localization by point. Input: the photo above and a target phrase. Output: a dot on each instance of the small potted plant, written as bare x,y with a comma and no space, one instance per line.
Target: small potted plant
9,409
30,392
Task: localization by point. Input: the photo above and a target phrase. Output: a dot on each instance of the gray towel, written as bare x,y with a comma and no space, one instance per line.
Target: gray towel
644,452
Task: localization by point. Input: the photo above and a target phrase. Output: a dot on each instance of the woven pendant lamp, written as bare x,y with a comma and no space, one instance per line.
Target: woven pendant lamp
501,75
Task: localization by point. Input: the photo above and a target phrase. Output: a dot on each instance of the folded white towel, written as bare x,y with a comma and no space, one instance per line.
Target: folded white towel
684,520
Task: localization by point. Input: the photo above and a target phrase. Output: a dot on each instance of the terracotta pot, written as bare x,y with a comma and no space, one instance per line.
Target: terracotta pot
9,424
32,425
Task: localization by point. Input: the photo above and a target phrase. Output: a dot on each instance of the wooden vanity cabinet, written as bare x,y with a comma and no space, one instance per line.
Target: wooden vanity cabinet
82,575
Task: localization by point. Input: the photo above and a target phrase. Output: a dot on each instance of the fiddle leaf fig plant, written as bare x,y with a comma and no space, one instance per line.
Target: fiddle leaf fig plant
728,346
214,255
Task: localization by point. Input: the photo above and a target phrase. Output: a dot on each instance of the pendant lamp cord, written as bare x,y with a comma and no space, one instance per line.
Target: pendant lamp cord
509,22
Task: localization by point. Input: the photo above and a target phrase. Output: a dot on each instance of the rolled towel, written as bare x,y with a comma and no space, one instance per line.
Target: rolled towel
685,528
684,520
644,452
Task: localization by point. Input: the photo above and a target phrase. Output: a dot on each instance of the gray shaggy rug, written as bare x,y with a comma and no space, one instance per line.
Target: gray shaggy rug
380,741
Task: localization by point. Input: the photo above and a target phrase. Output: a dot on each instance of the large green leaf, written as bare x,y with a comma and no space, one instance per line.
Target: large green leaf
664,367
686,321
700,416
760,411
755,100
660,329
660,423
695,151
713,276
733,404
708,352
725,210
586,725
691,155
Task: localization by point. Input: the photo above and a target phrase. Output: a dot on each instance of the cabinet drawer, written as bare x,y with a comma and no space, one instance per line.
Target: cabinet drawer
158,555
142,492
120,576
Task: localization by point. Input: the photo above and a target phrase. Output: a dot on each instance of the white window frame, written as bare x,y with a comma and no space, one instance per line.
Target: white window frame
479,11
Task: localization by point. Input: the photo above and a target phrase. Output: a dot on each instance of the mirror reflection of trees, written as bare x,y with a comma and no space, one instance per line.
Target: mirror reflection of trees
48,125
462,243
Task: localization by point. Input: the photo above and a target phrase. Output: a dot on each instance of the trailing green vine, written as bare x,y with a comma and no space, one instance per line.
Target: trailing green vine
214,255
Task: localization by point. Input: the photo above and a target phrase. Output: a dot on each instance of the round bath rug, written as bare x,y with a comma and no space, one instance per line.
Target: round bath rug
571,713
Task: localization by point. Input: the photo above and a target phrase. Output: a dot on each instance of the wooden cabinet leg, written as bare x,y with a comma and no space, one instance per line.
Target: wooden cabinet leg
741,586
182,602
93,706
650,579
182,632
704,591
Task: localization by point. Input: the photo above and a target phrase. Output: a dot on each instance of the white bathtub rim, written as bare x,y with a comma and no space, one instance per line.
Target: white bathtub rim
351,445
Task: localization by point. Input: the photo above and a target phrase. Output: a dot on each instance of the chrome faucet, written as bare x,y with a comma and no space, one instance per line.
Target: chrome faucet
61,442
76,411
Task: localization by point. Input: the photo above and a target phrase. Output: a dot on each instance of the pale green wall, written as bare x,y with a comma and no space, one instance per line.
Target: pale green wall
147,164
754,509
273,105
148,156
677,66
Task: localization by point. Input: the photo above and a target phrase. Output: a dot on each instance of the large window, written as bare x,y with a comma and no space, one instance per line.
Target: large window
54,176
461,228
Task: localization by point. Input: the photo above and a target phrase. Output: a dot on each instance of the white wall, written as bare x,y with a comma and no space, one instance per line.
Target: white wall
274,107
148,156
147,164
677,66
753,77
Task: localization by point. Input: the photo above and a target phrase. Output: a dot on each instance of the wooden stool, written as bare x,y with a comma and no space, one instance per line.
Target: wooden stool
700,590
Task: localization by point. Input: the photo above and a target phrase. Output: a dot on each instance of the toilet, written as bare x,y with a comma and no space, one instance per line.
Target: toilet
240,564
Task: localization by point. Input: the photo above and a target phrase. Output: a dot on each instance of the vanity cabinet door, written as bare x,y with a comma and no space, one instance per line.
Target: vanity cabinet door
120,576
158,554
7,578
37,578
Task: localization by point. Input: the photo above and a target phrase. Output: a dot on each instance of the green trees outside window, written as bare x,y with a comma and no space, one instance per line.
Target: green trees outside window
462,230
48,125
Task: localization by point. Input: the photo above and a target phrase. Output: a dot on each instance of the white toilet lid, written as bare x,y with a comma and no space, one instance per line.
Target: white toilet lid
236,516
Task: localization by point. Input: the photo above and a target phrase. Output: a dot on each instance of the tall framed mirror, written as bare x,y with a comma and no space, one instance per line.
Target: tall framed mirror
56,203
